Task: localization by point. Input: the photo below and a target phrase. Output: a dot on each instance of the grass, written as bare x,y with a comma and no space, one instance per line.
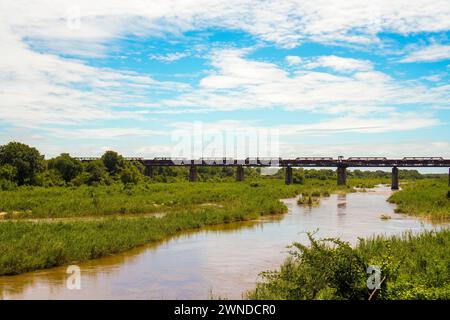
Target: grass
429,198
84,201
29,245
414,267
308,201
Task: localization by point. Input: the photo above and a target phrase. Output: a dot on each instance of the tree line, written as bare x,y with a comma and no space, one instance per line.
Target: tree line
21,164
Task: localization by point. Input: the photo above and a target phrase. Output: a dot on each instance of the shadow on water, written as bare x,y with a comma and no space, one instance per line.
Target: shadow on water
224,260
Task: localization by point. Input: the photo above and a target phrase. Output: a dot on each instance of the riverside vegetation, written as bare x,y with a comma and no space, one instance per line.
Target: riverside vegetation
46,227
60,211
412,266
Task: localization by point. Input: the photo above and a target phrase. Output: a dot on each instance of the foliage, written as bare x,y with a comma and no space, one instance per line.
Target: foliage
8,172
67,166
50,178
130,174
97,173
412,267
326,269
26,160
113,162
27,245
427,198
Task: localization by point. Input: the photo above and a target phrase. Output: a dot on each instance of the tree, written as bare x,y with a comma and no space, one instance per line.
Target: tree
8,172
113,162
67,166
130,174
49,178
97,173
26,160
7,176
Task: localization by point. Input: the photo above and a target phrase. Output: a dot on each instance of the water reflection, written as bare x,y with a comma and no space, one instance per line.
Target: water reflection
223,260
341,204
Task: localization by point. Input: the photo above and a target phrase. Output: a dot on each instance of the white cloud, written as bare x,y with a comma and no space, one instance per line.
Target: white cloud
414,148
389,122
40,88
340,64
240,83
293,60
434,52
44,88
104,132
170,57
286,23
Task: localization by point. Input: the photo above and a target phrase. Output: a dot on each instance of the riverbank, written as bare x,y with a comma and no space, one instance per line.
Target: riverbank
429,198
413,266
223,260
47,241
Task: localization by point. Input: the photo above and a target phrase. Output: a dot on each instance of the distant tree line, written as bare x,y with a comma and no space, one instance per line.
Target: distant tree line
300,174
21,164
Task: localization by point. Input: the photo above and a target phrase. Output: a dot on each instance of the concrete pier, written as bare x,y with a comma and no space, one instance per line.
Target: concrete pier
289,179
239,173
341,175
193,174
394,179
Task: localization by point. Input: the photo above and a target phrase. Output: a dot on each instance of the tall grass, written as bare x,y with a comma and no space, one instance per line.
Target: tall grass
427,198
26,246
30,245
84,201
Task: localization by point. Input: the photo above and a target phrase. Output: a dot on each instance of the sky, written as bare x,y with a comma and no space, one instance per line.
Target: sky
351,78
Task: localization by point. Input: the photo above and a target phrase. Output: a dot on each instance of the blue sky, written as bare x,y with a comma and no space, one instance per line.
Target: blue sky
352,78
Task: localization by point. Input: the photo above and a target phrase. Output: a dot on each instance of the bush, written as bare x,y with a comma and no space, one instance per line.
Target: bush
7,185
329,268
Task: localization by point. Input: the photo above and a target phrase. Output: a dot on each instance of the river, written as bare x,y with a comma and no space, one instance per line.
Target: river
222,261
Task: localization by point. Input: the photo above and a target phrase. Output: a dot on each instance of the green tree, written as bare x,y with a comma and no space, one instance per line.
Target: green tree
67,166
130,174
26,160
8,172
98,173
7,176
49,178
113,162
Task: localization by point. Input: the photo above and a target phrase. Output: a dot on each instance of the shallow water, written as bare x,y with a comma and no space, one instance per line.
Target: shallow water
220,261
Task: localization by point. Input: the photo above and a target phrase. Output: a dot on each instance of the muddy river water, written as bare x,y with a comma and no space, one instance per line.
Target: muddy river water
221,261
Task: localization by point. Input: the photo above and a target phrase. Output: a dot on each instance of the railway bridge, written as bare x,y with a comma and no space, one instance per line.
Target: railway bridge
340,163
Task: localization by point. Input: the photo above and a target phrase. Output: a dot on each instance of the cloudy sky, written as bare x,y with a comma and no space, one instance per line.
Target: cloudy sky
350,77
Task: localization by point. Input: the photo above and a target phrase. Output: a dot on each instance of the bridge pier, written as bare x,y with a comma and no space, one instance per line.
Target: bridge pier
341,175
193,174
239,173
148,171
394,180
289,179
